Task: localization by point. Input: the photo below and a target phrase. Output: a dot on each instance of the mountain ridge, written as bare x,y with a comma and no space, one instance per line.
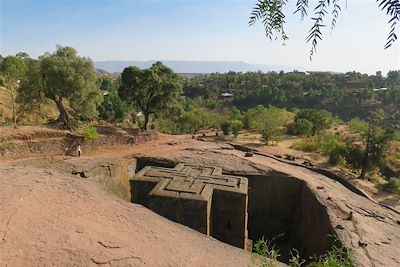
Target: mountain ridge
193,66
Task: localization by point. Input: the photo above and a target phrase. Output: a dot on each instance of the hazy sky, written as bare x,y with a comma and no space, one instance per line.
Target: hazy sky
194,30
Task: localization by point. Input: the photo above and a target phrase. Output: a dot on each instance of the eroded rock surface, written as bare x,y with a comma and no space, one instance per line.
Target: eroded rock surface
303,205
50,218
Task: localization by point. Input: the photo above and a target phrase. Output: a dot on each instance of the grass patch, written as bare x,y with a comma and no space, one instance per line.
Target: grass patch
265,255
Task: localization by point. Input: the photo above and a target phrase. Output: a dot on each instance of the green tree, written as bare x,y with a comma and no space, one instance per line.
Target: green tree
65,76
252,117
270,124
13,70
320,119
235,114
151,90
113,108
31,97
226,127
236,126
301,127
375,140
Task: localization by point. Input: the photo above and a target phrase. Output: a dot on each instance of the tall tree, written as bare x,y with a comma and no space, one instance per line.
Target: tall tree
375,140
151,90
67,77
13,70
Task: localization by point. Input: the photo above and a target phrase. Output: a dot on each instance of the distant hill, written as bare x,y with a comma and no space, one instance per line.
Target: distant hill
181,66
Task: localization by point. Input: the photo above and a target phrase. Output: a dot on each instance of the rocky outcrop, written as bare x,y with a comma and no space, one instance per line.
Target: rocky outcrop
303,205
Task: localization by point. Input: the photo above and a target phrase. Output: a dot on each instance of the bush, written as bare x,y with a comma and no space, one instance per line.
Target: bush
307,145
396,136
353,155
236,126
226,127
393,186
301,127
189,121
358,125
335,155
90,133
329,144
321,119
265,255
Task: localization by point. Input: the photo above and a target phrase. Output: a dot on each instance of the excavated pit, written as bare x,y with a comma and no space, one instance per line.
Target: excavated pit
284,209
280,208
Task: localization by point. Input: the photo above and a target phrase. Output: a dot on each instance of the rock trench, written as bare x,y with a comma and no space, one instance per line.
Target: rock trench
280,208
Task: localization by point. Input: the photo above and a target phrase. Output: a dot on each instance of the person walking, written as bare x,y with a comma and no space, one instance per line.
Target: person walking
79,150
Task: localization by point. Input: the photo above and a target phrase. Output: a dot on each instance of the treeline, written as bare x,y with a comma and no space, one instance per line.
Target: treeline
341,94
158,98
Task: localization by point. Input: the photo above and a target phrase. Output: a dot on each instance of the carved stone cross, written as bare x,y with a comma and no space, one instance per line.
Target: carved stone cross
201,198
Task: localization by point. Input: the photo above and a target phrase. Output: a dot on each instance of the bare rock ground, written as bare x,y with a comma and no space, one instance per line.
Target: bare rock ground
369,229
49,218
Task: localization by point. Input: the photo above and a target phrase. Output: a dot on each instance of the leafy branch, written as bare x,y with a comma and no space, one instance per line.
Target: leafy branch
270,12
393,10
273,19
315,31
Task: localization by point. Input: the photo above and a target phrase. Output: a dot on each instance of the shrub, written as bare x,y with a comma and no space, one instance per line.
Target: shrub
392,186
90,133
226,127
236,126
358,125
335,155
330,145
353,155
321,119
189,121
301,127
307,145
6,144
396,136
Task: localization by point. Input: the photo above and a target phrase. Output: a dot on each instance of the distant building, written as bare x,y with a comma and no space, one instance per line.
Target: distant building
226,95
380,89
